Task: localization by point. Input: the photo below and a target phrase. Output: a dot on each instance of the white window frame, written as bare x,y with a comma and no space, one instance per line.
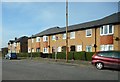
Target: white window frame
37,39
14,44
106,47
33,50
53,37
37,49
64,36
72,35
32,40
29,50
87,48
107,30
78,48
87,32
45,50
45,38
59,49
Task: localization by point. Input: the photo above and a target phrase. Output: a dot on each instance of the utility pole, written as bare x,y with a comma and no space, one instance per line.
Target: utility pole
31,47
66,30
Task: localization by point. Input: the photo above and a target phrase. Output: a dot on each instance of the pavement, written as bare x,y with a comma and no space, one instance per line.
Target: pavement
61,61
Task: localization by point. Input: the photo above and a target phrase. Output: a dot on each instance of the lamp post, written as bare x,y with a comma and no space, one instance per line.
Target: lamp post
66,30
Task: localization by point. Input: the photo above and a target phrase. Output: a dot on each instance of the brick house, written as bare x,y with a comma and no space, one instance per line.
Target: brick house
98,35
18,45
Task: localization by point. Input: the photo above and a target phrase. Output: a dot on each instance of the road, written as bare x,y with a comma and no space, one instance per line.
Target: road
34,70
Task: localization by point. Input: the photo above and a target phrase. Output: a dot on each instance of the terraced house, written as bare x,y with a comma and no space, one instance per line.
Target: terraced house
18,45
98,35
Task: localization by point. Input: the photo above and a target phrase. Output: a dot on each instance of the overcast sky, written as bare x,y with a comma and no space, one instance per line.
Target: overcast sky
27,18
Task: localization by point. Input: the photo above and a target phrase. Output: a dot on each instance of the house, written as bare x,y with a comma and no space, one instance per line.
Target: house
4,51
19,45
98,35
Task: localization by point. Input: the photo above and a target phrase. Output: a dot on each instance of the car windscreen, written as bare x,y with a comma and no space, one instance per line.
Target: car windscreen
110,54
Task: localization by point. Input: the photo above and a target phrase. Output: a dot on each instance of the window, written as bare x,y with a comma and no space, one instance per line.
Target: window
106,47
88,48
72,48
14,44
106,30
79,48
101,30
59,49
110,47
101,47
72,35
45,50
53,37
105,54
110,29
38,39
63,48
32,40
64,36
32,50
88,32
29,50
45,38
53,49
37,49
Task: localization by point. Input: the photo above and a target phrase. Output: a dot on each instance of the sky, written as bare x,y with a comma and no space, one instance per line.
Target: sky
29,18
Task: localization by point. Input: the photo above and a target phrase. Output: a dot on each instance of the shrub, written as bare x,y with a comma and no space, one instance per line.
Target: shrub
37,54
75,55
61,55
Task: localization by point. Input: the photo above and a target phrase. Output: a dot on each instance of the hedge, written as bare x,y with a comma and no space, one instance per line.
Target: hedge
61,55
75,55
37,54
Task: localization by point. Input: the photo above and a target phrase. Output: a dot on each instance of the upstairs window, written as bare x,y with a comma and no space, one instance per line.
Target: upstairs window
88,32
38,39
106,30
72,35
14,44
32,40
45,38
53,37
64,36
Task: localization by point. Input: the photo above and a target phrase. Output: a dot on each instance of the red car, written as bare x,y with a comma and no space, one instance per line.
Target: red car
109,59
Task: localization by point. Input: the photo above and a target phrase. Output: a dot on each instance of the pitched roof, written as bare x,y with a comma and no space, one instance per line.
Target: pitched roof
112,19
19,39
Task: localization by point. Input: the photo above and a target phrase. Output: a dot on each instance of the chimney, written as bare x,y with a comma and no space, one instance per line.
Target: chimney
15,38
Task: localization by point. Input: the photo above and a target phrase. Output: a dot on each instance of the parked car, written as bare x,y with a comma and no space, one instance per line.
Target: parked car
11,56
110,59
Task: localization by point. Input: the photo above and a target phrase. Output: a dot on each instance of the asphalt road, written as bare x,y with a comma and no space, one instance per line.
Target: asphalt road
34,70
